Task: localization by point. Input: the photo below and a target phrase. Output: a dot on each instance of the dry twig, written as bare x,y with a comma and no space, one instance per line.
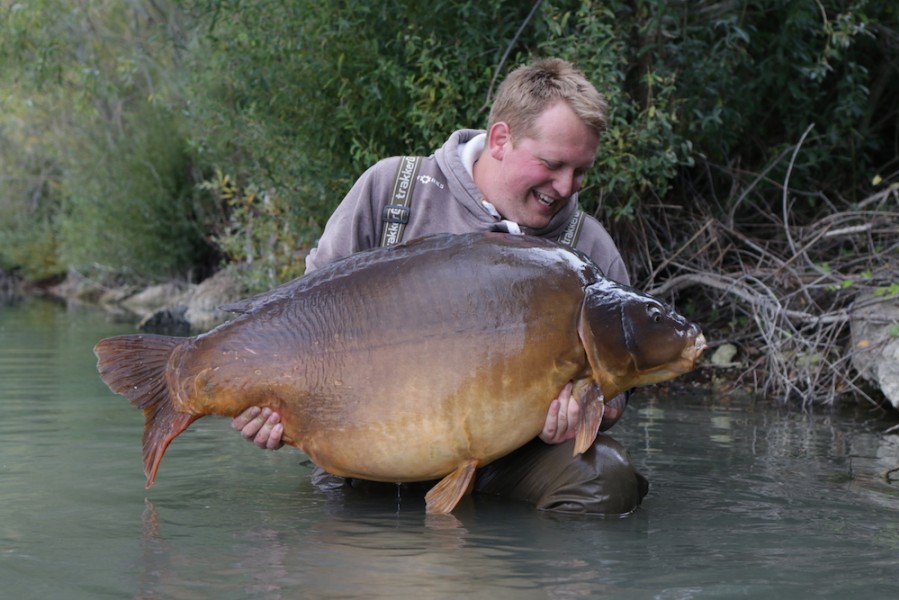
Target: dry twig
786,290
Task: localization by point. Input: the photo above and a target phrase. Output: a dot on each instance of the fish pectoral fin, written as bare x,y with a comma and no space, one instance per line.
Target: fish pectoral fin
590,398
443,497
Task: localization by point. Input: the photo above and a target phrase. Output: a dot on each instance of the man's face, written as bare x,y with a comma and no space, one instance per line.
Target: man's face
538,174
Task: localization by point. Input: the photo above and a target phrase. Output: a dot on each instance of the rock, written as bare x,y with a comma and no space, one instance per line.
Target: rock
875,347
10,287
151,299
724,356
888,372
205,299
169,320
78,288
197,308
175,307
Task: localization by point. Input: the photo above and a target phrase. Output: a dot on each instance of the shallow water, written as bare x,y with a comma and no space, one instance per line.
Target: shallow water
747,500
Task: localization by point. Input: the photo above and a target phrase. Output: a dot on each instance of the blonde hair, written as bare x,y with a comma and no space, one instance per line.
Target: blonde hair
530,89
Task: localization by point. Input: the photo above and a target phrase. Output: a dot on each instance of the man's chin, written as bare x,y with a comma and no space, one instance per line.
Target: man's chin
536,222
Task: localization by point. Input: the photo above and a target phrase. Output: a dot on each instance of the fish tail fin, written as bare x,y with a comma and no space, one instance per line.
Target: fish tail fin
134,366
590,399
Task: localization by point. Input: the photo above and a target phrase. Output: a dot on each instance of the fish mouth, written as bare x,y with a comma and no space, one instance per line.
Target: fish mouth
685,363
692,352
689,356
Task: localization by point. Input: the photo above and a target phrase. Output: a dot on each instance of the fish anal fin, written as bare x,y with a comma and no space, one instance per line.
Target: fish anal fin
443,497
590,398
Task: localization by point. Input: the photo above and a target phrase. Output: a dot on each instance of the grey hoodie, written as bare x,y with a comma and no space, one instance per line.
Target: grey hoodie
445,200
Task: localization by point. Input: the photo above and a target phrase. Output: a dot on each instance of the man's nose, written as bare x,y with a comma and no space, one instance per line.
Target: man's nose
566,183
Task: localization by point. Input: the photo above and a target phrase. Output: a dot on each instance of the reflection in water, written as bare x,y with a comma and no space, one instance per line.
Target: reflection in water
746,499
351,549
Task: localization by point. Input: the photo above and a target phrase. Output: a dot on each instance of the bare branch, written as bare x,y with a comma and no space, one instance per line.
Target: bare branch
502,61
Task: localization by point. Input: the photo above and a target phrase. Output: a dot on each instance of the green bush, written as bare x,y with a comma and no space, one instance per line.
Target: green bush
29,248
735,85
292,99
644,147
29,200
303,96
753,80
132,207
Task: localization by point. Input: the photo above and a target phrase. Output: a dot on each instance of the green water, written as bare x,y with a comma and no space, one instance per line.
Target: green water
747,500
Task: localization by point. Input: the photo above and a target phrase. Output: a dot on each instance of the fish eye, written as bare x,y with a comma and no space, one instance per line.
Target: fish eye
655,313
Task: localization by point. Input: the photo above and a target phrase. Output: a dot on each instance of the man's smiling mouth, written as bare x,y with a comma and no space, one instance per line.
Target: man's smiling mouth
544,199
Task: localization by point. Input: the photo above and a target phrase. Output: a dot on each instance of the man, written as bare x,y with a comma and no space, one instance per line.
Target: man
522,175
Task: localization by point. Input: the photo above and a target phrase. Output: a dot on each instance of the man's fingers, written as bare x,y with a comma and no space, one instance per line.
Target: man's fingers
552,420
244,418
269,435
262,426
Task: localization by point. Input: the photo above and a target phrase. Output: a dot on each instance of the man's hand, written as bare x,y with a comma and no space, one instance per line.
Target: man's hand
562,418
261,425
564,412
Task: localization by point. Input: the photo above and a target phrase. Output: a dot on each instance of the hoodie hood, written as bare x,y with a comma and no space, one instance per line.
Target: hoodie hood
463,186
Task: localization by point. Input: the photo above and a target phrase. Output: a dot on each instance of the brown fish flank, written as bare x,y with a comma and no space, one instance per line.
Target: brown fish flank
420,361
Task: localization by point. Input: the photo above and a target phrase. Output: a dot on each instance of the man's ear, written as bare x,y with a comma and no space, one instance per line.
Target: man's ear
499,140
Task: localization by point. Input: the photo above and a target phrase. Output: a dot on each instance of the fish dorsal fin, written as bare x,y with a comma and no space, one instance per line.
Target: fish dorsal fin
443,497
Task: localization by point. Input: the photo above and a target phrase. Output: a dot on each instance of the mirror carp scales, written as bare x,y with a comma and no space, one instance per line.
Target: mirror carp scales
420,361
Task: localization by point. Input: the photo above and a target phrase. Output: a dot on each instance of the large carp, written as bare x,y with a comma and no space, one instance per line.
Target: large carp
424,360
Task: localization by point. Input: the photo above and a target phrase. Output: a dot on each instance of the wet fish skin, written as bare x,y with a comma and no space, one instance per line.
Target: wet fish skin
411,363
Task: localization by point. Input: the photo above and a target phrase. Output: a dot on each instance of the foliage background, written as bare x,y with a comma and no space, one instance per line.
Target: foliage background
143,140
